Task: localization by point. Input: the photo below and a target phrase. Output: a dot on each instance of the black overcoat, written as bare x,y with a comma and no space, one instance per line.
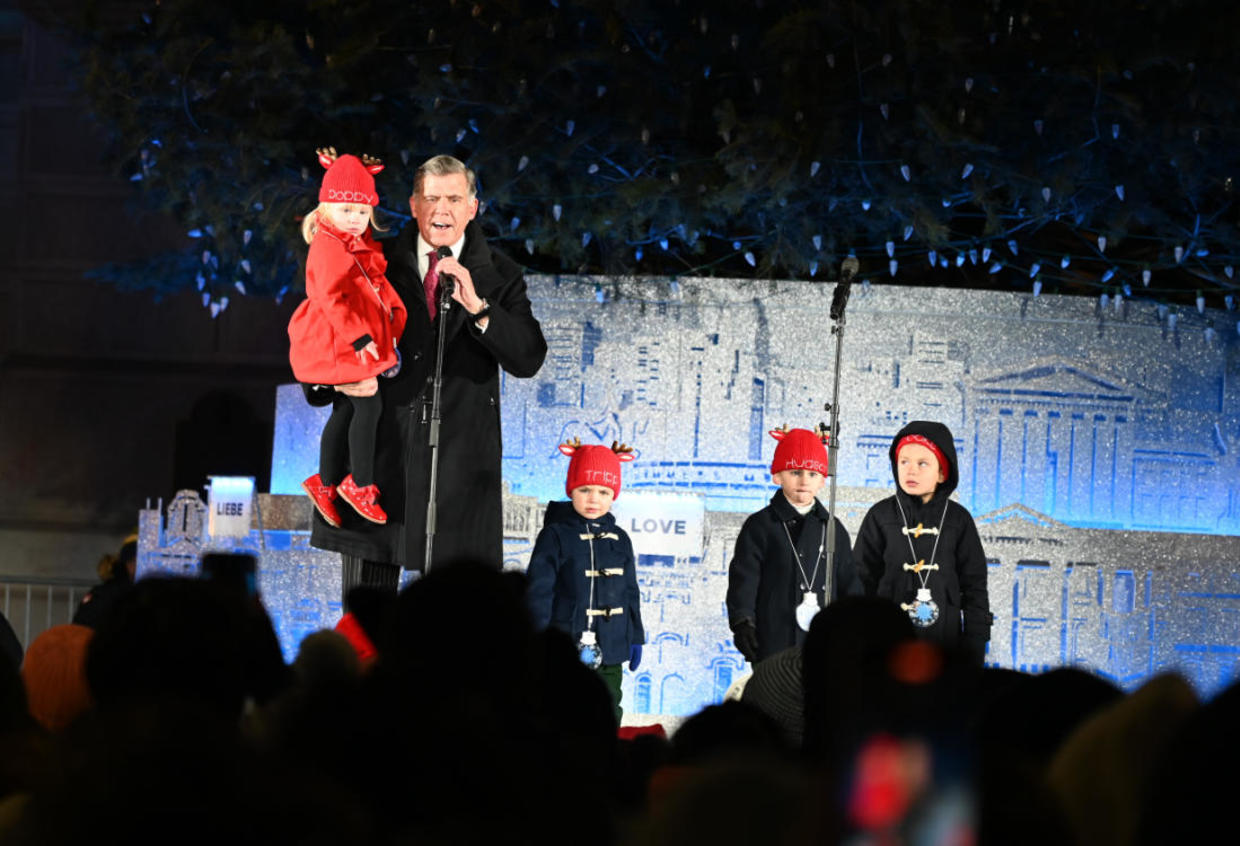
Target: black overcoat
470,522
764,581
958,586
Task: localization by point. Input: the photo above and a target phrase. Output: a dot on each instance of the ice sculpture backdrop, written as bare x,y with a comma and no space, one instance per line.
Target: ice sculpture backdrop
1098,451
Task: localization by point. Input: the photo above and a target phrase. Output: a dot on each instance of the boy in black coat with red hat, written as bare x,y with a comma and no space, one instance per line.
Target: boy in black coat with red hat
922,550
778,570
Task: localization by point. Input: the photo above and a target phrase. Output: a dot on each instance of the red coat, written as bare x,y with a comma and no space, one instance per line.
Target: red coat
348,298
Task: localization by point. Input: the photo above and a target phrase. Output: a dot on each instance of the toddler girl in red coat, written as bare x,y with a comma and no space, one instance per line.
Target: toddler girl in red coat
346,331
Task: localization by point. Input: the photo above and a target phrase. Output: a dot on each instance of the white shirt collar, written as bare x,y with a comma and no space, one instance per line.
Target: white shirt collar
424,248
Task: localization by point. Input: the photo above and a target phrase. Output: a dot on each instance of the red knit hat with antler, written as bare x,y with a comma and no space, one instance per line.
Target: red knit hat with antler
594,464
348,178
799,449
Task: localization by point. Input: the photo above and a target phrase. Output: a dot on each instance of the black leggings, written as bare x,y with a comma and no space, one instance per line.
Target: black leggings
348,440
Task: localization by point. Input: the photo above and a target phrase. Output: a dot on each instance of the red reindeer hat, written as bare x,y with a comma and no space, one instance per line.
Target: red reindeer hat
594,464
799,449
348,178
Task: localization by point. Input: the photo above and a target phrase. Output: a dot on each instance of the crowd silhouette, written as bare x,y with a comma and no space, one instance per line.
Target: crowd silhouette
175,719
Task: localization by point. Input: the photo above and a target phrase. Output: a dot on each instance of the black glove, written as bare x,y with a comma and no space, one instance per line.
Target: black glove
745,636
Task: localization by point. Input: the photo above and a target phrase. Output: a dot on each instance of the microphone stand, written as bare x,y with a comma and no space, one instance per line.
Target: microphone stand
839,302
446,285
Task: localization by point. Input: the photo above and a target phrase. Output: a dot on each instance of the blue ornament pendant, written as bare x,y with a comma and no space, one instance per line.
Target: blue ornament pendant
588,651
924,612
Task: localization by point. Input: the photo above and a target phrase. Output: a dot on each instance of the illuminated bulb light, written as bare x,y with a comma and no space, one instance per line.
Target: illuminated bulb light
1102,243
905,172
663,244
1065,261
523,163
1145,277
529,246
996,267
947,204
973,256
985,254
813,268
750,258
1171,319
1046,194
1179,254
1209,334
865,205
1108,275
885,109
637,254
1033,271
1119,192
1037,287
908,232
556,211
933,257
1229,270
1115,130
813,168
514,223
892,266
1201,303
585,239
968,84
817,239
891,249
1012,245
1103,299
964,173
959,259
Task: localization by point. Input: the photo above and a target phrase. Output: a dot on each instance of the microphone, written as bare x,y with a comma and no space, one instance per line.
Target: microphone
447,282
842,288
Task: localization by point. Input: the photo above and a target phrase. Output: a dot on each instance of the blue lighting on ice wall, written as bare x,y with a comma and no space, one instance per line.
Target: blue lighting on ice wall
1098,454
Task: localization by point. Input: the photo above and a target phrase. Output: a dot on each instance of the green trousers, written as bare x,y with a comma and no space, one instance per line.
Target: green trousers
612,674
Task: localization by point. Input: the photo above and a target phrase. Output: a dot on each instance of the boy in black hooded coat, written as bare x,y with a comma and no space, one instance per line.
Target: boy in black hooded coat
922,550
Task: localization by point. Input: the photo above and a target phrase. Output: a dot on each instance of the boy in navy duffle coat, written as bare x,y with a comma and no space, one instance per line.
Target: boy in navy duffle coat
582,575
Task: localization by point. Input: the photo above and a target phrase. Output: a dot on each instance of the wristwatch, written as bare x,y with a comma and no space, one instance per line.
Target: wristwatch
482,312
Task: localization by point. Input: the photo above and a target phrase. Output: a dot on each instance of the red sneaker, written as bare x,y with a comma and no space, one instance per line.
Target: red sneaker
365,501
324,498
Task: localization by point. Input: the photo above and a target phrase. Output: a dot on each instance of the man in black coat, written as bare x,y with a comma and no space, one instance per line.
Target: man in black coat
488,325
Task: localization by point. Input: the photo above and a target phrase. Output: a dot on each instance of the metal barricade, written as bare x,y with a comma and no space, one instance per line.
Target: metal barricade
33,604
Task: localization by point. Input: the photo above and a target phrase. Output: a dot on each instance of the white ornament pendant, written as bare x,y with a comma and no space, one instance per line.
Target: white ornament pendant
807,609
